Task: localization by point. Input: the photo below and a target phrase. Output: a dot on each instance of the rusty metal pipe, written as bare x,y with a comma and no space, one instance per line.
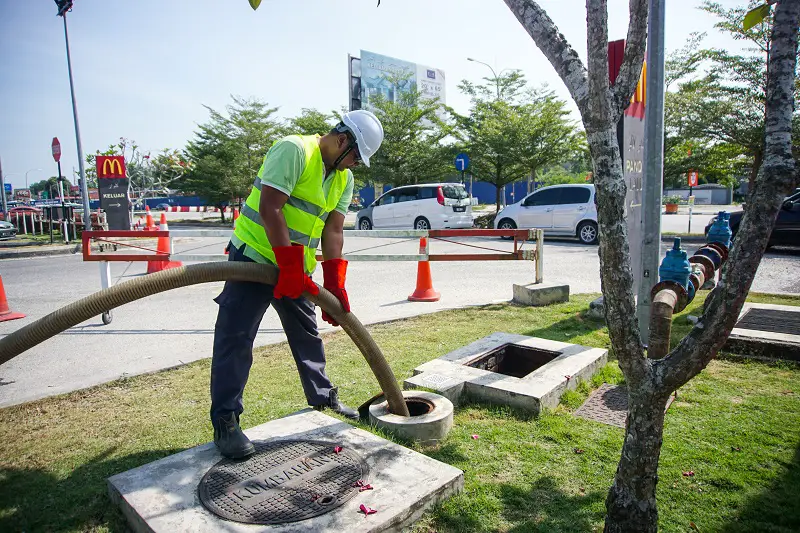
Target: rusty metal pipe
661,323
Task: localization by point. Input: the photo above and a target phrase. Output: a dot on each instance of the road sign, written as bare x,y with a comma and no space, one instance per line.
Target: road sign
110,166
462,162
56,149
8,187
693,176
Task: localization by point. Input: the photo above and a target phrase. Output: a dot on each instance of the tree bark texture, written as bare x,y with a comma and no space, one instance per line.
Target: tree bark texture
631,504
631,501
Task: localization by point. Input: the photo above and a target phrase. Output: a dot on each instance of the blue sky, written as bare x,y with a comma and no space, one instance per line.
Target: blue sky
144,69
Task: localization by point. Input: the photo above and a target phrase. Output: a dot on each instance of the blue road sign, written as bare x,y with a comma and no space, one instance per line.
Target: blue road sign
8,187
462,162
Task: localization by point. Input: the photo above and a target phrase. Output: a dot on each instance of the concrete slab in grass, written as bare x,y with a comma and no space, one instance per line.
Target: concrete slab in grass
766,330
452,376
162,496
539,294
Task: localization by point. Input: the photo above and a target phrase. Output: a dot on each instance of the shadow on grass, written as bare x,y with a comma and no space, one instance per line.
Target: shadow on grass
776,509
541,507
32,499
567,329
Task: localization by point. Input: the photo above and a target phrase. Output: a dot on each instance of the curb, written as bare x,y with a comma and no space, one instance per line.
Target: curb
69,249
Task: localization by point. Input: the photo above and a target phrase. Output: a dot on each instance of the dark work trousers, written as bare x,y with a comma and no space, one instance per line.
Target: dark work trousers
241,307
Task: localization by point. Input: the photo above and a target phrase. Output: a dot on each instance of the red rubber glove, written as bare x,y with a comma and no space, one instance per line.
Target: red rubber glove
292,278
334,272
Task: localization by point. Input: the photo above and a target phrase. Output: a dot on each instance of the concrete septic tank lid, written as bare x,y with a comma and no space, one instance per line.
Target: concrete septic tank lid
430,421
163,496
284,481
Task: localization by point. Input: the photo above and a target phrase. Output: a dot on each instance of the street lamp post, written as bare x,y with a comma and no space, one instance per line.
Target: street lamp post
63,7
496,78
26,176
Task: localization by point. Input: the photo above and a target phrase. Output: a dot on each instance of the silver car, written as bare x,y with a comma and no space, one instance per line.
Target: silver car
567,210
420,207
7,230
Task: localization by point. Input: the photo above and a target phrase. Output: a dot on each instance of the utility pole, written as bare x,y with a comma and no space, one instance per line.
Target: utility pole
3,190
63,7
654,165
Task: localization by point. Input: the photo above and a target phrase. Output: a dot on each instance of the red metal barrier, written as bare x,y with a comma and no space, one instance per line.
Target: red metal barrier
100,236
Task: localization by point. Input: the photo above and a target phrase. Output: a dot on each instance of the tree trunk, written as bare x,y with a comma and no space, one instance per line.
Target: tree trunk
497,197
758,160
631,501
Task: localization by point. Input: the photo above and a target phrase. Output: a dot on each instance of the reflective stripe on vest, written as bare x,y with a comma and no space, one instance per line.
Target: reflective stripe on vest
305,211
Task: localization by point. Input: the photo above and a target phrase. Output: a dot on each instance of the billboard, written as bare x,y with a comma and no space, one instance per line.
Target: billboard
379,75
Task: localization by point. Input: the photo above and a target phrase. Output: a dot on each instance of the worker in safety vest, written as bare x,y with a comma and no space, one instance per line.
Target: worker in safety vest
299,199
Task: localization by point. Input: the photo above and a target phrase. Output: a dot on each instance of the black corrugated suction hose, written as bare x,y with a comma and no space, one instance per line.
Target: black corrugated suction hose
129,291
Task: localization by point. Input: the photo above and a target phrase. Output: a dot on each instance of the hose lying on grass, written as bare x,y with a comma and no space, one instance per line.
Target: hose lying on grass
129,291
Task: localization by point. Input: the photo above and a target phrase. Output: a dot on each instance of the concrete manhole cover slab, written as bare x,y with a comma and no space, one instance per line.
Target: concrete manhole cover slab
284,481
608,404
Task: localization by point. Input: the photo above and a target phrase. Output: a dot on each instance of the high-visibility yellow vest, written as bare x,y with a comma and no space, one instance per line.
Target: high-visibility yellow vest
305,212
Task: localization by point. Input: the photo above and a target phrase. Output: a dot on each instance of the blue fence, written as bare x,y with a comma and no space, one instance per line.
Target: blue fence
484,192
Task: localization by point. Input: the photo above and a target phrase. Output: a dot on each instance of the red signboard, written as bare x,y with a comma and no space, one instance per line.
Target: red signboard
110,166
56,149
693,176
74,188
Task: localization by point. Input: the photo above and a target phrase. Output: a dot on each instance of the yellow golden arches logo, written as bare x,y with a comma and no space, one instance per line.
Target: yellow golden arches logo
110,166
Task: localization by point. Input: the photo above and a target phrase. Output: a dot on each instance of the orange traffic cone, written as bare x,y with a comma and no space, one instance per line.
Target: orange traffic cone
162,248
149,224
424,291
5,310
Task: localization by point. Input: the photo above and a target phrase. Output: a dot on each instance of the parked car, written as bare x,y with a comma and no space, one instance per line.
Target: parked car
567,210
421,207
162,207
7,230
787,226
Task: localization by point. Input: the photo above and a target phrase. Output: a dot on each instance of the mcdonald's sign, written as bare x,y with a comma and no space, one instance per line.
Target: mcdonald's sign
110,166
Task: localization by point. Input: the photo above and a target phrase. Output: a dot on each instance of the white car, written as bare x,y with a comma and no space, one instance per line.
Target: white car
567,210
421,207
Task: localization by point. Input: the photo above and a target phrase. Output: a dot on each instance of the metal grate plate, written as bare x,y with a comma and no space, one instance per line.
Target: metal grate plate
284,481
772,320
608,404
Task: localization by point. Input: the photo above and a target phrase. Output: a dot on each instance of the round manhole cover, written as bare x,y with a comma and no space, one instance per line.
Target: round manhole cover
284,481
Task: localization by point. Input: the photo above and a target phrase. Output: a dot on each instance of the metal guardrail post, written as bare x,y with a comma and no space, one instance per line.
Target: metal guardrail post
539,256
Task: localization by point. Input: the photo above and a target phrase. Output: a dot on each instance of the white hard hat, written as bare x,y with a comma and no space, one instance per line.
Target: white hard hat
367,131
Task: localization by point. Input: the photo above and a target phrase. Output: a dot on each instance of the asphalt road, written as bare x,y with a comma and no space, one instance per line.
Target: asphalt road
678,223
177,327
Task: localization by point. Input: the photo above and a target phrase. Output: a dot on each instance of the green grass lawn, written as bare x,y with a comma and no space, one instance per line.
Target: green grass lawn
736,426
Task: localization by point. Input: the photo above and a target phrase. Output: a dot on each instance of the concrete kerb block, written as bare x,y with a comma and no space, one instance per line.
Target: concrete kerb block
539,294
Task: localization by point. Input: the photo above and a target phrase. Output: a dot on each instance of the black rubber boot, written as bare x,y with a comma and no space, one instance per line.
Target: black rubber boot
229,438
337,406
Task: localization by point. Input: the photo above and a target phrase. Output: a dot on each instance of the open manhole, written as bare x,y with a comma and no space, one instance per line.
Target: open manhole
513,360
772,320
284,481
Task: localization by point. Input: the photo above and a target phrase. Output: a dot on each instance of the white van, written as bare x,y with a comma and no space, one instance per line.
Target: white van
421,207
